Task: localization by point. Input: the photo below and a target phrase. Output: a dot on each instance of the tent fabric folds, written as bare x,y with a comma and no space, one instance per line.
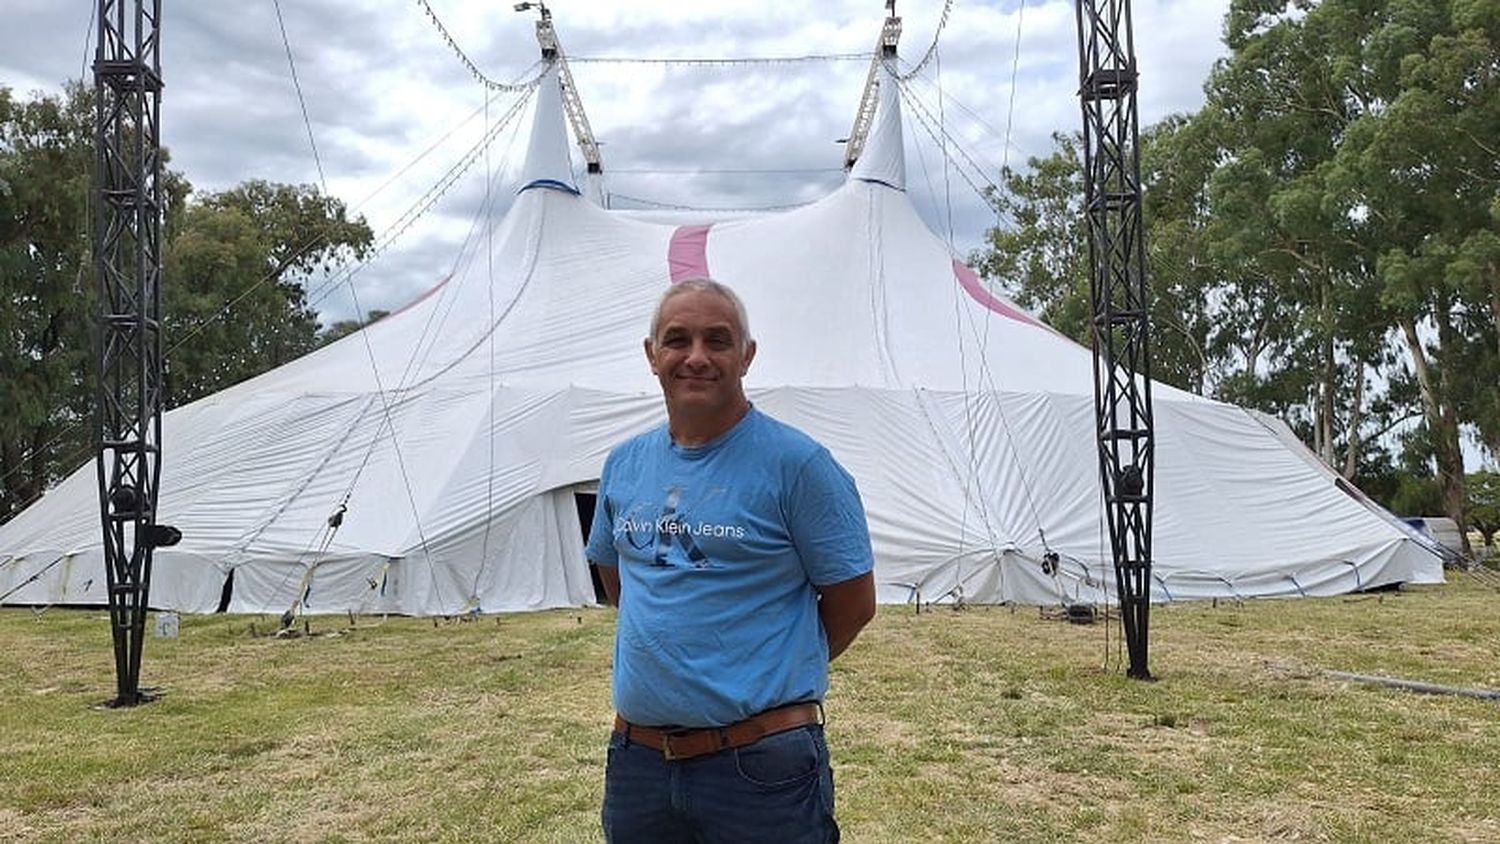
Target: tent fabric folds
455,435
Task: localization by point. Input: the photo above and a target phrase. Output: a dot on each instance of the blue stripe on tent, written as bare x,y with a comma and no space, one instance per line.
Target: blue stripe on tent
550,183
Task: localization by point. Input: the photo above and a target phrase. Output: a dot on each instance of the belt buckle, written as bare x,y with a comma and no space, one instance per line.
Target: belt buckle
666,743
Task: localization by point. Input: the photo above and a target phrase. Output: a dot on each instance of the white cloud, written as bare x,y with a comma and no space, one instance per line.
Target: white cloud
381,86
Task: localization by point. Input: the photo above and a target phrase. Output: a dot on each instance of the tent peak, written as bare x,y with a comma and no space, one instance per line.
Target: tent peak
547,163
883,158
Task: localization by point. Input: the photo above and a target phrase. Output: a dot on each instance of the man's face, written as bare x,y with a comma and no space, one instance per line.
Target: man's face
699,354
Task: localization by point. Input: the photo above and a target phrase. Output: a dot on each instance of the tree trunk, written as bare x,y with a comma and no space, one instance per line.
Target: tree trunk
7,480
1443,423
22,465
1356,413
1329,379
1455,492
37,478
1493,440
1495,304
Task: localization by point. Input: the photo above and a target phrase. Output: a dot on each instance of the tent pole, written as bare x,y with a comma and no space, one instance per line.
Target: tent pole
1119,295
127,264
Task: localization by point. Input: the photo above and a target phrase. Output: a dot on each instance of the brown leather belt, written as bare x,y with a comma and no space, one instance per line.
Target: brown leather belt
685,744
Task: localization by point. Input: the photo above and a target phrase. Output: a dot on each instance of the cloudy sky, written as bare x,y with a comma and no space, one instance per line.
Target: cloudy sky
392,108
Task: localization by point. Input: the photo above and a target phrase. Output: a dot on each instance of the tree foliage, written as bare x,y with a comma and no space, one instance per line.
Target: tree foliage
1484,506
344,327
45,160
236,268
1042,256
258,246
1323,235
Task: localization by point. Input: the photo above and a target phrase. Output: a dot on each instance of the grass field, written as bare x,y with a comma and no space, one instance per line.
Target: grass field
983,724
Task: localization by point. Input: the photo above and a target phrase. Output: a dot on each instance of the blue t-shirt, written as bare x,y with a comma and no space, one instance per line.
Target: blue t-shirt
718,549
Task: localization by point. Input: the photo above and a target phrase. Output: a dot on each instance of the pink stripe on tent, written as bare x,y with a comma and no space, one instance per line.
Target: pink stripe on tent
971,283
687,257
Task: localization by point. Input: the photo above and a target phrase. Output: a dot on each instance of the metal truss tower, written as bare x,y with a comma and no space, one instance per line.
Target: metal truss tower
552,51
1119,293
127,262
864,118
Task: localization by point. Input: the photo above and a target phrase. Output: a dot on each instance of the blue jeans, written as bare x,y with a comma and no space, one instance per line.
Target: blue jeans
779,789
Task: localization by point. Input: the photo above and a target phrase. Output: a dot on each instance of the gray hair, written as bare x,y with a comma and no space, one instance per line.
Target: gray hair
704,285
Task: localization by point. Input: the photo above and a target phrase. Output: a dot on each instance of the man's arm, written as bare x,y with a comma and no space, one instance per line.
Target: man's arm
845,609
609,577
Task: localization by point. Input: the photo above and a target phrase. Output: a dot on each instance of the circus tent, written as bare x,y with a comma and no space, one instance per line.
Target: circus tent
435,462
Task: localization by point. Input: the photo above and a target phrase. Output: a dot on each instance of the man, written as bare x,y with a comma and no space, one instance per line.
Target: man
737,551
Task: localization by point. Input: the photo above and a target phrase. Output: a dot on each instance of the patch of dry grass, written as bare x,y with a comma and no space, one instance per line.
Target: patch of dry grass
985,724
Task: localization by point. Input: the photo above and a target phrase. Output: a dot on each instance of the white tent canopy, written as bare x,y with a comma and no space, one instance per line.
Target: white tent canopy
454,434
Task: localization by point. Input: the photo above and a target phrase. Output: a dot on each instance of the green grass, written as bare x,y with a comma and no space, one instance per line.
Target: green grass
985,724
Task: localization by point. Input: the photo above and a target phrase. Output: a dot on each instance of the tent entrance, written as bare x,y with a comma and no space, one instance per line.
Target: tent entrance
585,503
227,593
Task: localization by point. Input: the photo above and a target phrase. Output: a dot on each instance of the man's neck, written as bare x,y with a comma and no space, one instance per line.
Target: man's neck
690,431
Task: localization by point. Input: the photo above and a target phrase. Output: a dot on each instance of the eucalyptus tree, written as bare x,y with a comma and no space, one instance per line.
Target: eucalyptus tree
1282,104
1358,173
240,266
46,293
1040,257
1422,167
235,294
1324,234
